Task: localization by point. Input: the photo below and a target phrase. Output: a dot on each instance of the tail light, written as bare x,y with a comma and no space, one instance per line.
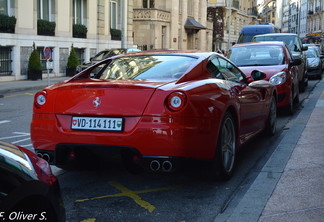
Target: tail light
40,99
176,101
41,167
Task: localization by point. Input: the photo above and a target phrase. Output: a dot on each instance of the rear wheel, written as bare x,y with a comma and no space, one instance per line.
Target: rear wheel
223,164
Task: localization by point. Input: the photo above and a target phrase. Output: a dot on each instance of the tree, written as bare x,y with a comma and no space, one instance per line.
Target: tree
34,65
72,63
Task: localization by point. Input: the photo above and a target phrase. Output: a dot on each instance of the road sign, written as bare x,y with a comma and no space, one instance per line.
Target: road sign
47,53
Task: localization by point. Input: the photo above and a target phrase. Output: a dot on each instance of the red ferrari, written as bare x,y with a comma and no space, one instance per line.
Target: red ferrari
155,108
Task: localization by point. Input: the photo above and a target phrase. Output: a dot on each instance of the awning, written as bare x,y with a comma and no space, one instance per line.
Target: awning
191,23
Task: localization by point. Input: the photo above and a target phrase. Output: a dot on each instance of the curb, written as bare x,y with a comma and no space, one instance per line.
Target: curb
251,206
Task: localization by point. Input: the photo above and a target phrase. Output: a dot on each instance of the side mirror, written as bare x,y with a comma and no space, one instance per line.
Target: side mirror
296,62
257,75
304,48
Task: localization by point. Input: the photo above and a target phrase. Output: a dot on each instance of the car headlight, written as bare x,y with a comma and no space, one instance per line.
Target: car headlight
313,63
278,78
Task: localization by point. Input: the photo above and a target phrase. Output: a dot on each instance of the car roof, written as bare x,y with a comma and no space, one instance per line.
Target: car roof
277,43
192,53
277,34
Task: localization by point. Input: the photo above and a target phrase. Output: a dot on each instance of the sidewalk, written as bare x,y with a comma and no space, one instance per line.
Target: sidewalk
299,194
290,187
21,85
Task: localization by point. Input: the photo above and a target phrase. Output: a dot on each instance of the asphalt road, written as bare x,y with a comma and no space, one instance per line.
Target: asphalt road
105,191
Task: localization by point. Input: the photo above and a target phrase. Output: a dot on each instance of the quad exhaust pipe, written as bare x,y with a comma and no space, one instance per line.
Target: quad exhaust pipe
163,165
44,156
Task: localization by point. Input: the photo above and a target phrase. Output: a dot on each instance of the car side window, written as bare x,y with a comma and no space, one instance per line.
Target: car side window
229,71
212,67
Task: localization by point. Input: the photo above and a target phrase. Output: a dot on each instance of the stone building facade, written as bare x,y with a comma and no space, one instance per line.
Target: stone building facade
98,16
235,15
172,24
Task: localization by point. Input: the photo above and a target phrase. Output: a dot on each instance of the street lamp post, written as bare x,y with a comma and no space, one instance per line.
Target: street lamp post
229,23
123,24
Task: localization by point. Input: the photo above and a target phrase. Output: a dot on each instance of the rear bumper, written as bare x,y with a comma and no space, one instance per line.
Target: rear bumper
147,136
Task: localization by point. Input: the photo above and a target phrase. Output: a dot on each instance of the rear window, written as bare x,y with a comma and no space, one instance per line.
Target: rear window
146,67
291,41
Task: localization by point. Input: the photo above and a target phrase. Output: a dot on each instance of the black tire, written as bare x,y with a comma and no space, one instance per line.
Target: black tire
302,86
319,76
271,126
289,109
222,167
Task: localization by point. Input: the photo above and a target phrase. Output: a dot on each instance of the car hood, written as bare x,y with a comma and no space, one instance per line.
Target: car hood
106,98
268,70
310,60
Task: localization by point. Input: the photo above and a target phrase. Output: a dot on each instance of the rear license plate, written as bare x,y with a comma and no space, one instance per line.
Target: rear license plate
100,124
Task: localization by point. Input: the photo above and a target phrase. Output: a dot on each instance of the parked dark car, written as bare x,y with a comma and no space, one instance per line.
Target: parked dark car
315,65
297,49
28,189
104,54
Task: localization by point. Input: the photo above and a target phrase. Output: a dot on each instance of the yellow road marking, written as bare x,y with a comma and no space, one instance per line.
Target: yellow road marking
29,94
89,220
125,192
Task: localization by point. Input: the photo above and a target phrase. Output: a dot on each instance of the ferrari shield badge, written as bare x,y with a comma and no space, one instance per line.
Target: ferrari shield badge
96,102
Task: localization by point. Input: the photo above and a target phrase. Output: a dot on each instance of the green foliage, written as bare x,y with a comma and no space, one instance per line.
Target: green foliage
80,31
7,23
115,34
45,27
34,60
73,59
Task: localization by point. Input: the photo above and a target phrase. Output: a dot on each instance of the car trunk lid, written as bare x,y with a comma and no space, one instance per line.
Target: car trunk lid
105,98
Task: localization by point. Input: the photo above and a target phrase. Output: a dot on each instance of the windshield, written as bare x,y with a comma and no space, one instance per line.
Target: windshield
311,53
290,40
257,55
146,67
245,38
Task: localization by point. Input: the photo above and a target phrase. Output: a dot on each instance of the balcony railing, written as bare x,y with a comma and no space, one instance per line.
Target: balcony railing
152,14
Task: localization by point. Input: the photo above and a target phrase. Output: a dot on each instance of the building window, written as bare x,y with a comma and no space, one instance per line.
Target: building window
5,61
46,10
148,4
190,8
7,7
113,14
79,12
80,54
163,37
40,51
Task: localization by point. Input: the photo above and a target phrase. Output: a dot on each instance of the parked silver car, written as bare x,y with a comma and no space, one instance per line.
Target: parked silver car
315,65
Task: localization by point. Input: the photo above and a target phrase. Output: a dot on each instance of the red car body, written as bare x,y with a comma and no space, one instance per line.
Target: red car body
160,118
257,55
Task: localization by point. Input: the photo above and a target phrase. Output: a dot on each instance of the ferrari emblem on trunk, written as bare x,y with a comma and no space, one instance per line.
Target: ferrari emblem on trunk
97,102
